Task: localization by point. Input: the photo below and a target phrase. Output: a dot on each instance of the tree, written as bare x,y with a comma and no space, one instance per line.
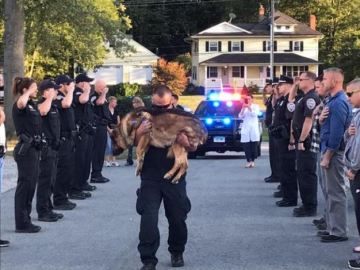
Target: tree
185,59
13,52
171,74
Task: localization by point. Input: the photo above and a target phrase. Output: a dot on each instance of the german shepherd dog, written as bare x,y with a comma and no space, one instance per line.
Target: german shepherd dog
166,125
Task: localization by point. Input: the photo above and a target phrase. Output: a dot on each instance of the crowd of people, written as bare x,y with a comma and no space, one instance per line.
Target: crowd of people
313,125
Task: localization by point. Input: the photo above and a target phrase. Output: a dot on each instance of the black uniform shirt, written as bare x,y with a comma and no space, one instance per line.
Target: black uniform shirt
101,112
28,120
282,115
51,123
84,113
157,164
113,117
305,107
67,115
269,111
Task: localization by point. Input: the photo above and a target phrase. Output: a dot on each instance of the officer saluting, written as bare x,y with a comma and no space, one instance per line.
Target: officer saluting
280,130
102,118
66,156
84,118
27,121
305,159
51,130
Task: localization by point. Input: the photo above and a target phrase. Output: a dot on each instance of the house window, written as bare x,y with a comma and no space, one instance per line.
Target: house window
287,27
297,46
236,46
278,27
268,72
238,72
267,47
213,46
212,72
194,73
294,71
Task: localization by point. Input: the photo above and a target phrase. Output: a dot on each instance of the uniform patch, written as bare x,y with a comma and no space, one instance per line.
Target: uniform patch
311,103
291,107
78,93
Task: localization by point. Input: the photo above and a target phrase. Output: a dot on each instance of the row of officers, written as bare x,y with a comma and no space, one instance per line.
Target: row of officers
56,150
293,144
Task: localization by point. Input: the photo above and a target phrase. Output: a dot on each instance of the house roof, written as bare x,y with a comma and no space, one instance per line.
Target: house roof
263,28
259,58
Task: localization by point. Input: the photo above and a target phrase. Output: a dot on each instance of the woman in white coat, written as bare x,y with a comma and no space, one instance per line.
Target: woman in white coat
250,131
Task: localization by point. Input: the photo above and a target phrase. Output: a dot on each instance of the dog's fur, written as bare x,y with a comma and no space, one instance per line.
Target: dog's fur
167,124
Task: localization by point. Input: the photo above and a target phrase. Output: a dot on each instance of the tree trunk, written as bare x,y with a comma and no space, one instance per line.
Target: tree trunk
13,54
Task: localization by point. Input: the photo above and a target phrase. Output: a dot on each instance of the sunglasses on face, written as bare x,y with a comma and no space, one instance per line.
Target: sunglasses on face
160,106
349,94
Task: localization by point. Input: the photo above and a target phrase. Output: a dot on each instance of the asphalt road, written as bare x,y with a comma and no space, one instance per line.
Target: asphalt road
233,225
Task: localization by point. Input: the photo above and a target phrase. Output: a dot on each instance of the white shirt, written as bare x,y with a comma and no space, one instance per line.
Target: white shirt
250,131
2,134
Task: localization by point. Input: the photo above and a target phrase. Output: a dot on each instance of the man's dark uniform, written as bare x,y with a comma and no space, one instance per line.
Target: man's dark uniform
280,130
48,162
84,118
306,160
66,155
102,119
273,154
153,190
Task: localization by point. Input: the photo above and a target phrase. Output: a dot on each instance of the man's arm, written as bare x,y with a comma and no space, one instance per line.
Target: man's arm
68,99
305,132
102,98
45,106
84,97
2,115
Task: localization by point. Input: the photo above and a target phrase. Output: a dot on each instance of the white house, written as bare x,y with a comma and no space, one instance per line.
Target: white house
238,54
134,67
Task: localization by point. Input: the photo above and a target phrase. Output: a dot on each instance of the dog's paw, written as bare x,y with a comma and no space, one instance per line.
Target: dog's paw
168,176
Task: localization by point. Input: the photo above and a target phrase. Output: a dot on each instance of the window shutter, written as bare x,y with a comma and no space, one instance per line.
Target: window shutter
207,46
219,46
290,46
284,70
242,72
264,46
242,46
302,46
275,46
306,68
208,72
229,46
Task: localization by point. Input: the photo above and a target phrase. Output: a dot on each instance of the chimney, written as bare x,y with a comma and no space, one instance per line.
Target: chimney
261,13
312,22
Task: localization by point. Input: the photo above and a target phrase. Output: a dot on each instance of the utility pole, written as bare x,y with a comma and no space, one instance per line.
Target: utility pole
272,12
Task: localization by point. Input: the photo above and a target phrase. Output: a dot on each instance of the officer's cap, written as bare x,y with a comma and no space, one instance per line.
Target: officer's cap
268,81
83,77
63,79
48,83
286,79
275,81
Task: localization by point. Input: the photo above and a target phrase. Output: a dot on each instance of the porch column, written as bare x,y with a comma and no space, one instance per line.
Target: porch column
281,69
245,75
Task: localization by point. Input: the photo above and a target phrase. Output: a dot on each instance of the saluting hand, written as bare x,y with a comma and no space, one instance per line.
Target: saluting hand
352,130
324,114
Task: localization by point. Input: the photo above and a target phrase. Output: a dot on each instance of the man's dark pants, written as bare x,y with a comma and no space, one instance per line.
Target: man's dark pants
177,205
307,178
46,181
287,170
355,191
65,171
274,158
98,154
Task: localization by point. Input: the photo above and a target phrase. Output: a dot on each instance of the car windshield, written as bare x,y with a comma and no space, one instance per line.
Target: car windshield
218,108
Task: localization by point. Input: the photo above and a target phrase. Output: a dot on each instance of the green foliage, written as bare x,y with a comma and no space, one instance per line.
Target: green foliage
185,60
125,104
61,33
125,89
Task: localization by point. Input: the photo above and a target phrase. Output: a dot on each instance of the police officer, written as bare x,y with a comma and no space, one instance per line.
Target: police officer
273,156
102,118
51,130
84,118
27,121
280,130
305,159
65,174
154,189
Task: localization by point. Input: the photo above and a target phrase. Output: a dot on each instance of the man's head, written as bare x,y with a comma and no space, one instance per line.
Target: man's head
333,80
83,81
319,87
285,84
307,81
112,102
48,88
353,92
100,86
161,97
268,89
65,82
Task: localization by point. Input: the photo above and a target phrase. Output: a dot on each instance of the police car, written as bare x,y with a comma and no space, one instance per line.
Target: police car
219,113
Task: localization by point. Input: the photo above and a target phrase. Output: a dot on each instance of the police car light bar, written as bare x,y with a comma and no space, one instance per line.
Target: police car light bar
223,96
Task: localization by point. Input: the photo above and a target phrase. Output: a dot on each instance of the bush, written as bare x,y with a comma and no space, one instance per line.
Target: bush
192,90
125,104
125,89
